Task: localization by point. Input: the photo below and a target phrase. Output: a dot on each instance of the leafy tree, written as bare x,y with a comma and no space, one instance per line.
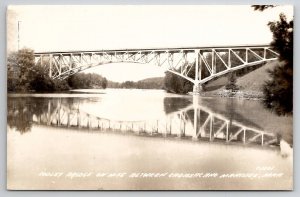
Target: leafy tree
87,80
104,83
278,91
149,83
24,75
262,7
41,82
283,39
12,73
18,68
176,84
231,82
61,85
19,114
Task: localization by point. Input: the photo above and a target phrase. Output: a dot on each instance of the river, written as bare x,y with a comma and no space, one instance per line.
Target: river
119,132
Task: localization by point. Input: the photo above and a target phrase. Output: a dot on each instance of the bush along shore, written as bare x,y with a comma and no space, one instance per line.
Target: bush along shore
244,94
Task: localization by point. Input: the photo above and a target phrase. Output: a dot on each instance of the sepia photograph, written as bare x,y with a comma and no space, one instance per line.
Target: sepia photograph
149,97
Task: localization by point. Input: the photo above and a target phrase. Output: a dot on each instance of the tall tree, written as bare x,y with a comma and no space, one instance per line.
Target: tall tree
176,84
262,7
18,69
278,91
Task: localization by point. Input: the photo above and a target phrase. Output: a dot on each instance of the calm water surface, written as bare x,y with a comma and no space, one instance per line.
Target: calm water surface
136,131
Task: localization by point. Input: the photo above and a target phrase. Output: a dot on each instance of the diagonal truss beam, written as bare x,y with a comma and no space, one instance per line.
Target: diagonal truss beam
216,61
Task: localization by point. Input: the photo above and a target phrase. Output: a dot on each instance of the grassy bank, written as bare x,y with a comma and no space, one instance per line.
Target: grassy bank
250,85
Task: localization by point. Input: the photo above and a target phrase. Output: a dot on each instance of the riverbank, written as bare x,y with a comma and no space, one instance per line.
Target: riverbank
250,85
253,95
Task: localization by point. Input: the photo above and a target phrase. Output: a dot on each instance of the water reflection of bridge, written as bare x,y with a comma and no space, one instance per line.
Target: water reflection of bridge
190,122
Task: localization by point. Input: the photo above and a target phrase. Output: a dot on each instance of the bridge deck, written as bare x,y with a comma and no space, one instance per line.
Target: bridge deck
192,48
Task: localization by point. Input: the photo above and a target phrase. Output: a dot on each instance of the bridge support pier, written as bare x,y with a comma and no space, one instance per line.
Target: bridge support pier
197,88
196,125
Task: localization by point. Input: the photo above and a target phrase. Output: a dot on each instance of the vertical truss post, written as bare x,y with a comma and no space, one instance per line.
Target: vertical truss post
60,63
39,118
50,62
184,57
180,116
196,87
78,119
167,59
49,113
196,121
101,57
183,134
88,121
229,59
211,127
244,138
68,121
197,66
71,61
195,124
213,62
59,113
181,67
227,132
200,68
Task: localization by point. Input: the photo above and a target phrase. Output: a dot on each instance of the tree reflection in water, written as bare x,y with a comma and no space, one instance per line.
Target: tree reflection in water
174,104
184,117
21,110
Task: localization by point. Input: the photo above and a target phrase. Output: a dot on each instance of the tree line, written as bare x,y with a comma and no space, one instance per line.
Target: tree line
23,75
151,83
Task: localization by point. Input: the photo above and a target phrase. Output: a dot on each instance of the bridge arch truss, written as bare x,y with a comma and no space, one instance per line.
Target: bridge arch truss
206,62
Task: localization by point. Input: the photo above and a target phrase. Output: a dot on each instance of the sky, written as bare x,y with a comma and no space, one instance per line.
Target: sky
95,27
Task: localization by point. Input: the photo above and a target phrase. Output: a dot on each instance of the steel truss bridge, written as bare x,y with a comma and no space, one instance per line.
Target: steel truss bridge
193,122
206,62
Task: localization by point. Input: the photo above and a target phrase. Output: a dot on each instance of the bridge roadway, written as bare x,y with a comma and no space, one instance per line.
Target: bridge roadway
191,48
206,62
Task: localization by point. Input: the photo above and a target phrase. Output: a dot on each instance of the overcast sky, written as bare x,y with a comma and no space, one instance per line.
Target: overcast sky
60,28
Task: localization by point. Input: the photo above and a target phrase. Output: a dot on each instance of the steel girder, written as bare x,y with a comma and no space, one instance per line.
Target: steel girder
206,62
